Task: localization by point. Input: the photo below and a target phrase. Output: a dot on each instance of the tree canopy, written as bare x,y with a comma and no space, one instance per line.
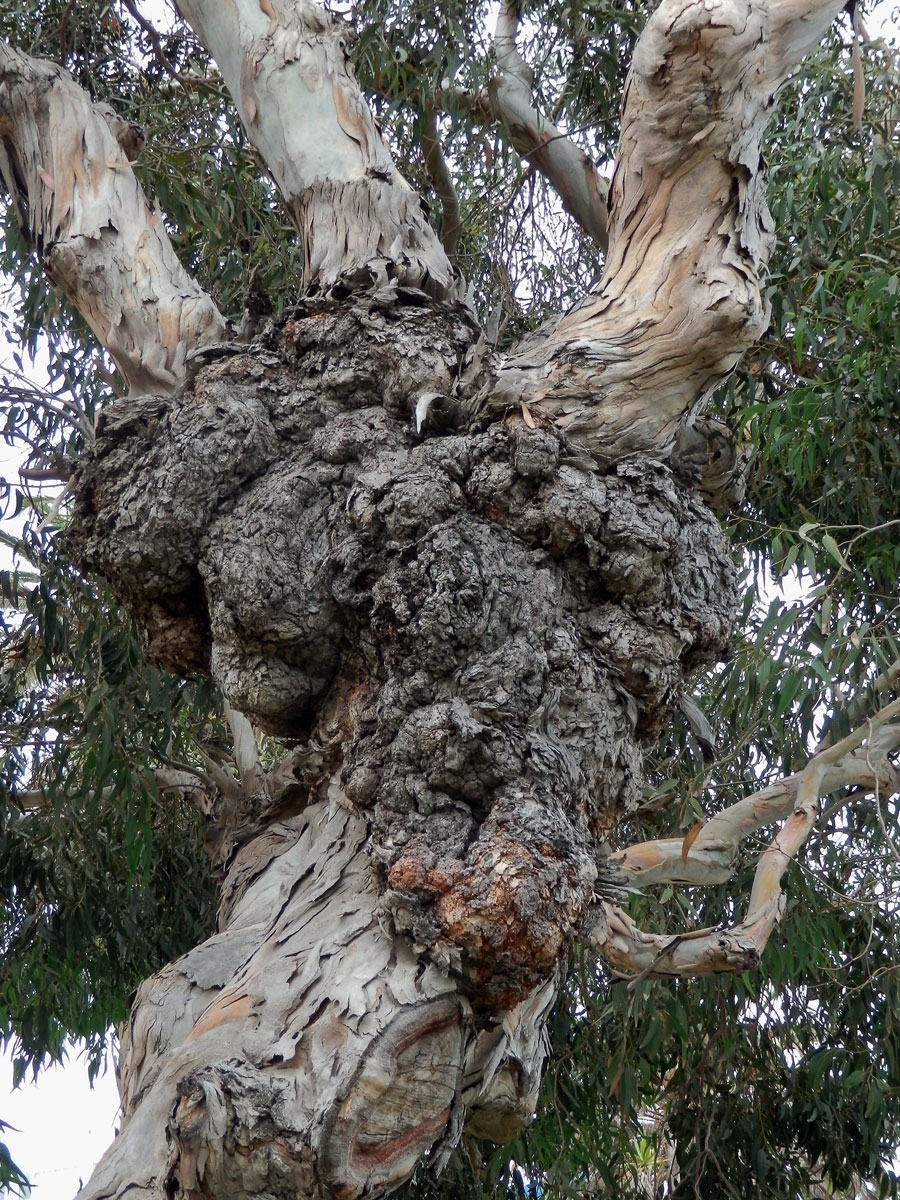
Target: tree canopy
780,1083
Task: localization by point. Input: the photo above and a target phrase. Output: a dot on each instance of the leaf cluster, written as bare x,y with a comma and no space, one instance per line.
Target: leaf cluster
102,880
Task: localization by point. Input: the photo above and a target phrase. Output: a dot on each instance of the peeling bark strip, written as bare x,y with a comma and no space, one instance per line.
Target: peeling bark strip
690,233
83,209
286,65
303,1051
299,1007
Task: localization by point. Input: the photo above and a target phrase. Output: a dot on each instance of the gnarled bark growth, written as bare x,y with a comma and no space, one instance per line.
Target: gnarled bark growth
470,642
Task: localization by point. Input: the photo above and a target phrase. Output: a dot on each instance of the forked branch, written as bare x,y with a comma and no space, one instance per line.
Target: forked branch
710,857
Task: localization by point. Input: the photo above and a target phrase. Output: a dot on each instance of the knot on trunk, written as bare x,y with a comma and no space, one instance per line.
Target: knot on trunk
239,1109
491,631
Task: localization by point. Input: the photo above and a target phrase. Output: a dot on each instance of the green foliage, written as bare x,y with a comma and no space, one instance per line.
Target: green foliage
11,1178
102,880
778,1086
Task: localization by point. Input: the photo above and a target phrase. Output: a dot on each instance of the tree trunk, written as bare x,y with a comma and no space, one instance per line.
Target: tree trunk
469,643
468,593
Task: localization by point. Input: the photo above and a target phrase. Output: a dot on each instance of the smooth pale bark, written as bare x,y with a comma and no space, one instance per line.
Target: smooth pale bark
710,857
709,951
507,101
98,239
287,66
689,232
570,171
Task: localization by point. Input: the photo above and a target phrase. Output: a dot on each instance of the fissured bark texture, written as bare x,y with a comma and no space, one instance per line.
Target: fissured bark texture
485,629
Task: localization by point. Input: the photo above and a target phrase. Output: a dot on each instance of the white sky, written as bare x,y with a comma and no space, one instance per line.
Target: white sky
64,1125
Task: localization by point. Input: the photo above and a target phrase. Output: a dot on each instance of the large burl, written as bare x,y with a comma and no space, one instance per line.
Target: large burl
480,629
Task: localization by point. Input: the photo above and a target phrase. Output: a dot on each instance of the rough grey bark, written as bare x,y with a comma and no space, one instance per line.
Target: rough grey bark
297,537
470,640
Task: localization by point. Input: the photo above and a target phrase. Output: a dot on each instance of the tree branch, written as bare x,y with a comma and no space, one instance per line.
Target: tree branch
690,234
507,101
186,781
83,209
708,860
442,182
286,64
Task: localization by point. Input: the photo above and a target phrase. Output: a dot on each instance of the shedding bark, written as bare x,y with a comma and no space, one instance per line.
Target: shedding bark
446,582
287,66
97,237
301,1048
689,232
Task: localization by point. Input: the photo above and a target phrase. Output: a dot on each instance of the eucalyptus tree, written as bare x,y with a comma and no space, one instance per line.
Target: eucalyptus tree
387,550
